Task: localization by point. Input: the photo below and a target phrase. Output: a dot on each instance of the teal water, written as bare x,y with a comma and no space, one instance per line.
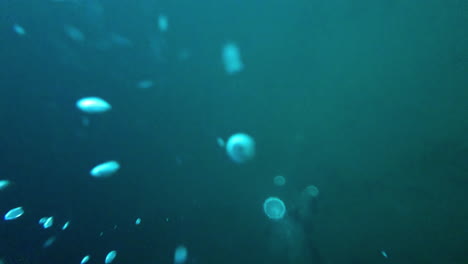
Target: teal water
367,100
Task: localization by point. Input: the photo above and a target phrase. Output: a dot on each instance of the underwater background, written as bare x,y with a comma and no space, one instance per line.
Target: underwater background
366,100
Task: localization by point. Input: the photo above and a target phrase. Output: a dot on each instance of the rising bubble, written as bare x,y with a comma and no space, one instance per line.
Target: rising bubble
85,259
14,213
65,226
312,191
105,169
48,222
4,184
163,23
110,256
19,30
274,208
231,58
93,105
279,180
240,148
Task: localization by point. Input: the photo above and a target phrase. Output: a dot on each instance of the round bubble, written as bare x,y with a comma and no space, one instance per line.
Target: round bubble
312,191
274,208
240,148
279,180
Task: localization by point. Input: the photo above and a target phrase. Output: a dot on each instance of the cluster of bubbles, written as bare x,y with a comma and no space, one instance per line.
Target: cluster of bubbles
239,147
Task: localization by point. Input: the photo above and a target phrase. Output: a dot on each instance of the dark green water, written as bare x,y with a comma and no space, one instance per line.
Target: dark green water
367,100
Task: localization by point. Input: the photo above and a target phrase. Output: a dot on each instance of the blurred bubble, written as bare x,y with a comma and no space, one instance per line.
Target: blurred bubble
163,23
180,255
14,213
231,58
240,148
312,191
279,180
110,257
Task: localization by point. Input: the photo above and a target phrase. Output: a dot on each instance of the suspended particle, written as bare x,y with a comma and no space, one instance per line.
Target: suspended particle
180,255
93,105
279,180
110,257
42,220
85,259
274,208
105,169
138,221
14,213
231,59
240,148
384,254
